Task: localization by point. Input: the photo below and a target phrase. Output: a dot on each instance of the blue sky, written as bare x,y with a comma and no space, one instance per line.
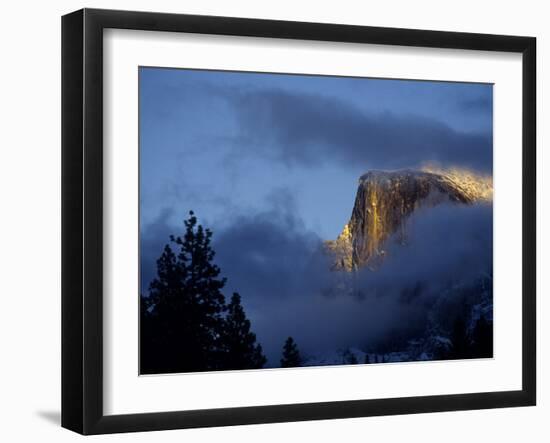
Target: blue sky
270,163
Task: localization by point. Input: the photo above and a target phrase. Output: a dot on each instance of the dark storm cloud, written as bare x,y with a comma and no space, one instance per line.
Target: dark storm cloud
281,271
311,129
271,250
282,274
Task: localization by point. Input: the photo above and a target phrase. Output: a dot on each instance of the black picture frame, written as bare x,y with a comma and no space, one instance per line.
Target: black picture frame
82,218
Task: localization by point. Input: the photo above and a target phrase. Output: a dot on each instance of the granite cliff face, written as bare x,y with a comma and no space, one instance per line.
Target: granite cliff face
385,200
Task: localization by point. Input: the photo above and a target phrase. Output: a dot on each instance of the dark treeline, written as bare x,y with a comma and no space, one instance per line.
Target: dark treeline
186,324
469,330
476,344
291,355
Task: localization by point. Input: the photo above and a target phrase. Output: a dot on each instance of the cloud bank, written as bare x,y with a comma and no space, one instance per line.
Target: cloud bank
282,272
306,130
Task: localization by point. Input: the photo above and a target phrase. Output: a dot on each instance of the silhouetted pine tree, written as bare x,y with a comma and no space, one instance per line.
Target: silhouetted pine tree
239,344
482,339
145,331
349,358
291,355
460,341
184,311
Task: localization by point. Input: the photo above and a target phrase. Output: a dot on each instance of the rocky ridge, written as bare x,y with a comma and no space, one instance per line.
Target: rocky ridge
386,199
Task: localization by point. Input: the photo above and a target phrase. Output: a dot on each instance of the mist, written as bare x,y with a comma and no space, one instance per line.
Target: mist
282,272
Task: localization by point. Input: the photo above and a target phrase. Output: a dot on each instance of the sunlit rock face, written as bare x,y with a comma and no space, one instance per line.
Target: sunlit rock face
385,200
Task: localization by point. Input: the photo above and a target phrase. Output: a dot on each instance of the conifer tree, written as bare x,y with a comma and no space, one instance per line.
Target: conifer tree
185,306
482,338
349,358
240,348
460,341
291,355
145,335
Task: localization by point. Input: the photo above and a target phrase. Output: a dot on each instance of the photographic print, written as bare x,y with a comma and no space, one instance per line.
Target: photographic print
291,220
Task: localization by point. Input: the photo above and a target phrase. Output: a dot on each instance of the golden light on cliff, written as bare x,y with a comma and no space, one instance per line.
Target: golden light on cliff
385,200
479,187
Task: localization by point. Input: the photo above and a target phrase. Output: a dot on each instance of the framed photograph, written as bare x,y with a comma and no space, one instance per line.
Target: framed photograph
269,221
